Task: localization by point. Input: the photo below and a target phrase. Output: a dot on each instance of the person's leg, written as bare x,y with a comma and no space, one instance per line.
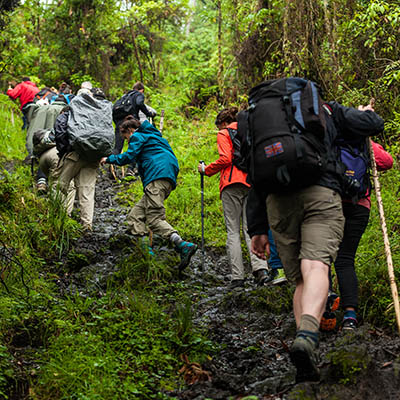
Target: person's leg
136,219
232,204
156,193
356,222
85,183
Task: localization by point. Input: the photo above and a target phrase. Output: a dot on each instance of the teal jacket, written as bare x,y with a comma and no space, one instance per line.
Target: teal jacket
152,153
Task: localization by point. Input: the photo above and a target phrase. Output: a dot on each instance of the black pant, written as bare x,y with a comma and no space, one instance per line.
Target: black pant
356,221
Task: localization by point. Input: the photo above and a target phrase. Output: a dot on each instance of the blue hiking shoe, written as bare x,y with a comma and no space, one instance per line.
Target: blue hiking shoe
186,251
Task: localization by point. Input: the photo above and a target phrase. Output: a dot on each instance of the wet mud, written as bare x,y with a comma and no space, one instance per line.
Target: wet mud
252,327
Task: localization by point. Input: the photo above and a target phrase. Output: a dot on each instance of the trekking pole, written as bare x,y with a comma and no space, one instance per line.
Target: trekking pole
389,260
162,121
202,221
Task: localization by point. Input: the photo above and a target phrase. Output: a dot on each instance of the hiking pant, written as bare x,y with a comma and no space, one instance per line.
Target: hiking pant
48,164
149,212
306,224
234,200
356,221
84,172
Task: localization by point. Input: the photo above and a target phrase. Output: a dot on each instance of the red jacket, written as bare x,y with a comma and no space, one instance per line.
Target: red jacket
229,174
25,91
384,161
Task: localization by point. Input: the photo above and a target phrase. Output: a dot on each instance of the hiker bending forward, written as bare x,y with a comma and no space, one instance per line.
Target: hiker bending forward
158,169
307,224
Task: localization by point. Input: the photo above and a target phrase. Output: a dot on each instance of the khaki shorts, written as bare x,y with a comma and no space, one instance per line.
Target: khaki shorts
307,224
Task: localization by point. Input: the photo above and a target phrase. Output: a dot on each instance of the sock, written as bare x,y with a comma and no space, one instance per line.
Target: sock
175,239
308,323
350,314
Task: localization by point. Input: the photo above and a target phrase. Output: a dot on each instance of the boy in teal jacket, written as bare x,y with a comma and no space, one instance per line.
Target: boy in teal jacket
158,169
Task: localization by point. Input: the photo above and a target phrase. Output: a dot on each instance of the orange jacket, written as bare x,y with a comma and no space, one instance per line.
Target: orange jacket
229,174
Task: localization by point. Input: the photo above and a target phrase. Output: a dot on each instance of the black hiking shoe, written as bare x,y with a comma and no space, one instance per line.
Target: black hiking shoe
303,355
349,324
236,284
264,276
186,251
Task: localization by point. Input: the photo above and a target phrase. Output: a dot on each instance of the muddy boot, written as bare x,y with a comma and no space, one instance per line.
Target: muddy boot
349,323
303,355
264,276
186,251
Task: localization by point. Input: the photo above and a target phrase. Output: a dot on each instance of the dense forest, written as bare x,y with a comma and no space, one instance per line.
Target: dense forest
90,315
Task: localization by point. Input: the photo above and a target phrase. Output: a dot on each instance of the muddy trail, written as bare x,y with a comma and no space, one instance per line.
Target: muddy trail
252,327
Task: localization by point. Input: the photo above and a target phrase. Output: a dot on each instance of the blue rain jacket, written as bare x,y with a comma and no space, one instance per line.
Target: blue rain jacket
152,153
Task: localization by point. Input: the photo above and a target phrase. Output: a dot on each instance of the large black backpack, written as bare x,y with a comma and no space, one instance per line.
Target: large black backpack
238,160
125,106
284,130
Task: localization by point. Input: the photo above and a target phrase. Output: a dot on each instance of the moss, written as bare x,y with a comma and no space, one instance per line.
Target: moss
348,362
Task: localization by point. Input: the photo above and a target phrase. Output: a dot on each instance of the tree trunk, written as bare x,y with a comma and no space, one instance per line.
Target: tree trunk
135,48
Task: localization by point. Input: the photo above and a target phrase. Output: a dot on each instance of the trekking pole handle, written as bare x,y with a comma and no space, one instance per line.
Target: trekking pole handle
203,165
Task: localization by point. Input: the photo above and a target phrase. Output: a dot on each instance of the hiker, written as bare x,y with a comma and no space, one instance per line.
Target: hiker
158,169
66,91
25,92
303,210
233,189
356,215
85,88
44,96
131,103
85,124
43,117
44,148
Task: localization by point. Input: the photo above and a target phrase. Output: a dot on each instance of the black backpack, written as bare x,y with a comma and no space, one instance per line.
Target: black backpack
124,106
238,160
283,133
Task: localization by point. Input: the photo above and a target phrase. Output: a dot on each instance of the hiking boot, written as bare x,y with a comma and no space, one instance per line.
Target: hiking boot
186,251
333,302
303,355
41,188
264,276
280,277
349,324
328,320
236,283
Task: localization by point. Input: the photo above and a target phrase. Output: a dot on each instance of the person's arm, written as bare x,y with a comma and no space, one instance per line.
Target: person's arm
14,92
225,154
351,121
136,143
383,159
142,107
257,223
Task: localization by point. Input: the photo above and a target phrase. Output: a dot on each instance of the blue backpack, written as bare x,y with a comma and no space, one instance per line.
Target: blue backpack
355,157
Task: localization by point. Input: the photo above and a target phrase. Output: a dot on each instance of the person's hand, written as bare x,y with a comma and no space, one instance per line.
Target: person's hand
201,168
260,246
365,108
103,160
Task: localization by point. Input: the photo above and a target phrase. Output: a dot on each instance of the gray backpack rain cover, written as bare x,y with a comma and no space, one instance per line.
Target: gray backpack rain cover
90,128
